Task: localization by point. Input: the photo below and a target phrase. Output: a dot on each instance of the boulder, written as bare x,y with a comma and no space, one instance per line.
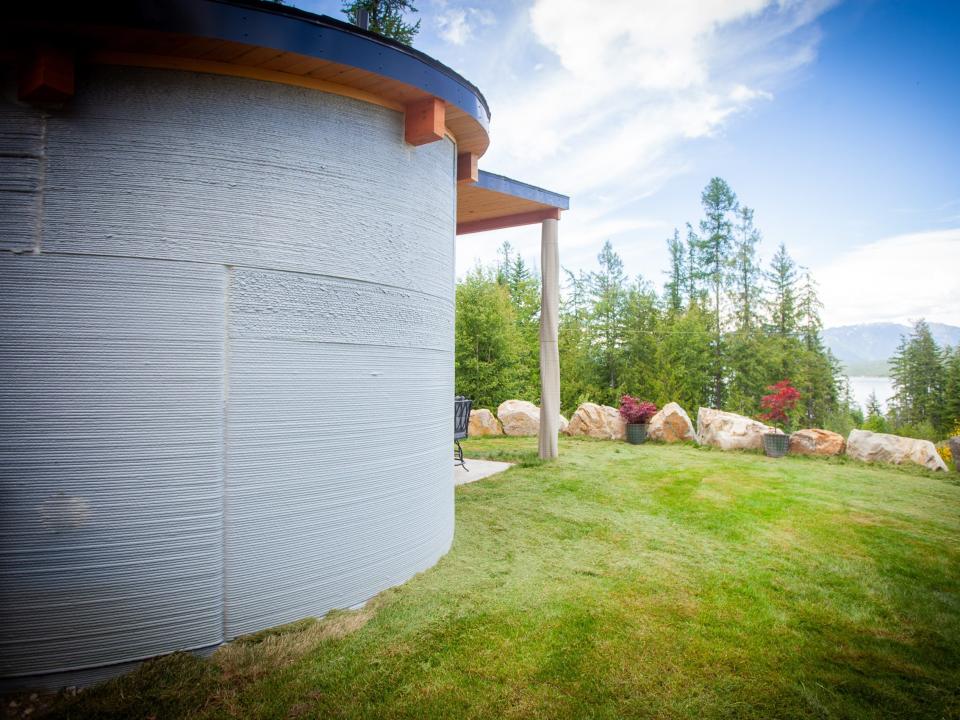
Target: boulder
880,447
598,421
815,441
671,424
520,417
729,431
483,422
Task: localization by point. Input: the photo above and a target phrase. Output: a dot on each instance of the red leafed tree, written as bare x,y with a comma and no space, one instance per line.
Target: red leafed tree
782,399
635,411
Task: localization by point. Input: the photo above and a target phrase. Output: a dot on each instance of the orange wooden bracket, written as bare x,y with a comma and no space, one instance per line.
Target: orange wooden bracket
46,75
508,221
467,168
425,121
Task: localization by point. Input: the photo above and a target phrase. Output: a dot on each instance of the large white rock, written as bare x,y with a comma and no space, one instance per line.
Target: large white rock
483,422
729,431
815,441
671,424
599,421
520,417
880,447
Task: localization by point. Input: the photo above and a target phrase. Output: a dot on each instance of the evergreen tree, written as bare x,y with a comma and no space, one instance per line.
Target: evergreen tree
874,421
523,288
692,286
818,370
918,372
782,306
608,294
684,360
951,391
385,17
782,277
487,363
747,351
746,276
676,274
713,250
642,318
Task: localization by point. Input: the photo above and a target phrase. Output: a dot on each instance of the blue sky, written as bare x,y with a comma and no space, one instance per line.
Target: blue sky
838,122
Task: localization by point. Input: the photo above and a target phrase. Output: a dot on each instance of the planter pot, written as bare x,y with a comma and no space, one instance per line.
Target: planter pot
636,433
776,445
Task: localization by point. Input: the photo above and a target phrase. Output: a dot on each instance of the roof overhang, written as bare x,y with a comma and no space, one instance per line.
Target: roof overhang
494,202
276,43
250,38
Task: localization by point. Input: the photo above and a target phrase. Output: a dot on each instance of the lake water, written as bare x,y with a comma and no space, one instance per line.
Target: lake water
862,386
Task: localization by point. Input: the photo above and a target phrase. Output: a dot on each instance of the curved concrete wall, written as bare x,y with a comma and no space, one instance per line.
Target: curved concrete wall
226,337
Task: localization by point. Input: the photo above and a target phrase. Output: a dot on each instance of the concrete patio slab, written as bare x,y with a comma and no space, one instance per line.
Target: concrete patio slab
478,470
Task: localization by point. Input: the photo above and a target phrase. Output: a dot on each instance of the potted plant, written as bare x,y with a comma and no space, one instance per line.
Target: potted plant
782,399
636,413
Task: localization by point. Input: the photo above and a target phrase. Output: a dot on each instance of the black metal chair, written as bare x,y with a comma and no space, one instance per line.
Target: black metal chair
461,426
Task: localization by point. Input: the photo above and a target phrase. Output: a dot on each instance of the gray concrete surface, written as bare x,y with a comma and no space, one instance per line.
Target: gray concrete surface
478,470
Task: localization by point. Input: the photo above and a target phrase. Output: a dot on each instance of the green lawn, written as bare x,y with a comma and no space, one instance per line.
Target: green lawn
626,581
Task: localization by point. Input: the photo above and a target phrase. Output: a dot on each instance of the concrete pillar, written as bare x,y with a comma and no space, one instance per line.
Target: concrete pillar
549,351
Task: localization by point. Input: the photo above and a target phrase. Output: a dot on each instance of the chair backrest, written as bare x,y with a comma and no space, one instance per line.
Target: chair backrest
461,416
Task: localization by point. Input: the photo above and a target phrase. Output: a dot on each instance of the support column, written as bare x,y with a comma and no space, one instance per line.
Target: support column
549,351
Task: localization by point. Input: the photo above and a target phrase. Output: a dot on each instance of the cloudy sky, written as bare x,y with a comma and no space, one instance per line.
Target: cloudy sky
837,121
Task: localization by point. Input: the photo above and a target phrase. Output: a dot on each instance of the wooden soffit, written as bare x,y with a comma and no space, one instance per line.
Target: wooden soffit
494,202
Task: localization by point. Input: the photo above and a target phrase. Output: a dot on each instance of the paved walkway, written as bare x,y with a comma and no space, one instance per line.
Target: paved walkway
479,469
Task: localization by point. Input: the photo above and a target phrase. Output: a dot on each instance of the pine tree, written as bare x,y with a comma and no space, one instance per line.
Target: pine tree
818,370
683,359
488,368
874,421
919,373
676,274
782,277
746,275
951,391
713,250
607,316
746,350
385,17
692,286
523,288
642,318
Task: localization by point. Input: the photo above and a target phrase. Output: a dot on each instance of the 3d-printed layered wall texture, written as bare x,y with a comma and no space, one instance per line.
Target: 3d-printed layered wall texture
226,342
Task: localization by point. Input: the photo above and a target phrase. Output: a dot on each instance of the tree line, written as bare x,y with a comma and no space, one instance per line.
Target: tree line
722,329
926,384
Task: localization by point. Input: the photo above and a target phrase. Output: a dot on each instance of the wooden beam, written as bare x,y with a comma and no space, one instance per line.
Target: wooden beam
46,75
507,221
425,121
467,171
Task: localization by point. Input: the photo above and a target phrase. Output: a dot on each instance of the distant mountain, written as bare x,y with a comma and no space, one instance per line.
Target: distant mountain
865,349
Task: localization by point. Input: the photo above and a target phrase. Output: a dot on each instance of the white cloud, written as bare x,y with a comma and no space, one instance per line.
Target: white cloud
897,279
456,25
633,81
620,91
452,26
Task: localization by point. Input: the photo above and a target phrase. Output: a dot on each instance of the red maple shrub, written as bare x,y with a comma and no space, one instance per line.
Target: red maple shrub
636,412
782,399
